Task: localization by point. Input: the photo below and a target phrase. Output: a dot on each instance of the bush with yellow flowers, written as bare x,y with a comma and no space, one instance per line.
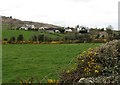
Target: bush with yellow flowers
52,81
101,61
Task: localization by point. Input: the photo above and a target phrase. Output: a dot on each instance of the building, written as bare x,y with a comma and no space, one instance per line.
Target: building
68,29
27,27
82,28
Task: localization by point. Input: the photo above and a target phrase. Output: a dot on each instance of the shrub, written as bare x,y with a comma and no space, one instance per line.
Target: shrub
102,61
41,38
85,38
5,39
47,39
100,40
34,38
12,40
20,38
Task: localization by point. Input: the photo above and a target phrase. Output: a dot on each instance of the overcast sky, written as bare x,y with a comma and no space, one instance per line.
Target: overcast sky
91,13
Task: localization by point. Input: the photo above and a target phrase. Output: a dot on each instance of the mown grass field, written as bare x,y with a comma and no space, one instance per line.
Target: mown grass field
26,60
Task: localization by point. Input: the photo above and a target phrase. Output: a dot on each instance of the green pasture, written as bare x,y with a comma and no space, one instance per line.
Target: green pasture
28,34
28,60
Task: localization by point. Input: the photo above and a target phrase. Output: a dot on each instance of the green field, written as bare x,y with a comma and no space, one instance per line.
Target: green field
28,34
24,61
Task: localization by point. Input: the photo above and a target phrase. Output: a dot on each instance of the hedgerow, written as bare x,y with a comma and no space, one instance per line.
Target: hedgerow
101,61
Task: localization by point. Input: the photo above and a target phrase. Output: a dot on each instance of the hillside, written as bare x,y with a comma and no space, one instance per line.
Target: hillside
28,34
9,22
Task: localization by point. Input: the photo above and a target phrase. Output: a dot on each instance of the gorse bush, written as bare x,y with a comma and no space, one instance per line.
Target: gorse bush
86,66
109,58
102,61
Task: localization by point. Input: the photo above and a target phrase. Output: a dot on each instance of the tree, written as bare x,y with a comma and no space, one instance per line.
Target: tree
102,29
10,17
47,39
11,22
97,36
34,38
116,36
103,36
41,38
85,38
70,36
62,30
109,27
20,38
77,26
83,30
12,40
109,30
5,39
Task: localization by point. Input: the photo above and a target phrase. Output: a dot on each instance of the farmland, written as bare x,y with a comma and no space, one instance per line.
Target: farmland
28,34
26,60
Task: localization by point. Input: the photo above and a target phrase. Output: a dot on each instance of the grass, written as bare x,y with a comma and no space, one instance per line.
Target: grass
5,26
24,61
28,34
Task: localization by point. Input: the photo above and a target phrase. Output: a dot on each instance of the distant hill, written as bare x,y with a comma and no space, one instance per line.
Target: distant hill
9,21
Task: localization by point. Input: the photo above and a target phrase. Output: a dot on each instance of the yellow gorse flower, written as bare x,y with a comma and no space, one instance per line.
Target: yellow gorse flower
96,71
97,66
68,71
82,60
52,81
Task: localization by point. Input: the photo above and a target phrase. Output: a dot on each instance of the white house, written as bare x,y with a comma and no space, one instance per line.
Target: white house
81,27
42,28
26,27
57,31
52,30
30,26
68,29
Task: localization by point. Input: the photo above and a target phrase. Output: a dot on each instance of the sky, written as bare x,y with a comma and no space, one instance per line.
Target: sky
91,13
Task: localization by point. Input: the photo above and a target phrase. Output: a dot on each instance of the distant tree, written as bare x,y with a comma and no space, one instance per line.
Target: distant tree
12,40
83,30
62,30
116,36
76,35
41,38
34,38
110,37
10,17
85,38
11,22
20,38
77,26
103,36
102,29
17,28
109,31
47,39
97,36
29,28
109,27
72,36
5,39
